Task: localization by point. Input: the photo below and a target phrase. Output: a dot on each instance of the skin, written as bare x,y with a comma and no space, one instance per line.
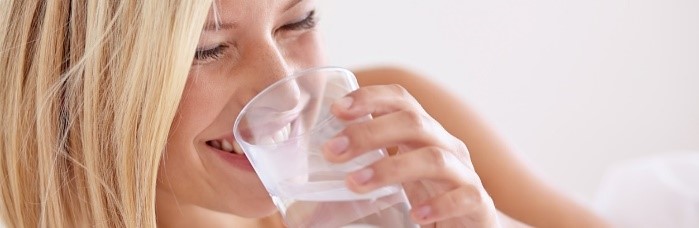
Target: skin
516,190
197,188
263,43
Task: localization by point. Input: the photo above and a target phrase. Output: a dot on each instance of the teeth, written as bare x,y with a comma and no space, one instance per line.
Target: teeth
286,131
237,149
216,144
281,135
266,140
277,137
225,145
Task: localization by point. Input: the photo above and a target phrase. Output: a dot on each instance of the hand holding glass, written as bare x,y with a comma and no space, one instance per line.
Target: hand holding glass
282,131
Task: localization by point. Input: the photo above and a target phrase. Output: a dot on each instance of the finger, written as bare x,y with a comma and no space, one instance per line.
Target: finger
377,100
405,128
425,163
468,200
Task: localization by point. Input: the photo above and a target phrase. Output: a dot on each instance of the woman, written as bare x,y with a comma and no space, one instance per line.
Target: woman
117,113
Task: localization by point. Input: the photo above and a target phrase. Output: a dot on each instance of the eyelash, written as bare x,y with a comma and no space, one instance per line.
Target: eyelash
307,23
212,53
215,53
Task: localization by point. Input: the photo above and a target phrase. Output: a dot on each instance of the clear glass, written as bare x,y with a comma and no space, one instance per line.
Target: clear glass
282,131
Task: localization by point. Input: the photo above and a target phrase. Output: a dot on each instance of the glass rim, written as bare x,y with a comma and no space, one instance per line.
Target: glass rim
276,84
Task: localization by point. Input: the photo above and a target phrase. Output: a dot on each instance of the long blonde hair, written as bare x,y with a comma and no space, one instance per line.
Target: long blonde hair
88,91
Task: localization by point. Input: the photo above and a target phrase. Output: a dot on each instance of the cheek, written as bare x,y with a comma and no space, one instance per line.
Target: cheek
201,102
194,176
189,121
198,108
305,51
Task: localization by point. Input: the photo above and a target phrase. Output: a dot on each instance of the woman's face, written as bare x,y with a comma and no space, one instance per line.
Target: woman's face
245,46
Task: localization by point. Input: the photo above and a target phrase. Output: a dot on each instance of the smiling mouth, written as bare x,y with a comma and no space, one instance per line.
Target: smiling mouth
225,145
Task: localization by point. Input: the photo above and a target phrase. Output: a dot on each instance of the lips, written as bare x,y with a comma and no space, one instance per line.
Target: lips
229,151
225,144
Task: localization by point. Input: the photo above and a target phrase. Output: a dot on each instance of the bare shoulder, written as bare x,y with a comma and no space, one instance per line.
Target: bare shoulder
417,84
434,98
388,75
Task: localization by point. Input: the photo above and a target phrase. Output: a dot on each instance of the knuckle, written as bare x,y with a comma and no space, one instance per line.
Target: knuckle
359,135
455,202
398,89
469,198
372,90
413,120
436,157
458,202
471,193
360,94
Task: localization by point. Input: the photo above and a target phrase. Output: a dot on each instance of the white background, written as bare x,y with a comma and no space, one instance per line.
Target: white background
576,86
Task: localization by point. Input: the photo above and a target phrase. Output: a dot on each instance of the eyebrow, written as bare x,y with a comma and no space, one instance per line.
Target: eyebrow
213,26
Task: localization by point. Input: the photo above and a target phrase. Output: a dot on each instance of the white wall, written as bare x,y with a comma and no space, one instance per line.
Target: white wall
575,85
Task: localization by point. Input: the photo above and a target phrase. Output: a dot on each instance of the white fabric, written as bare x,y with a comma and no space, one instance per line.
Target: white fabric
660,191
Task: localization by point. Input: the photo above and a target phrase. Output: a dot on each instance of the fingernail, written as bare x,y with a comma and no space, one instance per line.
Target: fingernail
344,102
362,176
423,212
338,145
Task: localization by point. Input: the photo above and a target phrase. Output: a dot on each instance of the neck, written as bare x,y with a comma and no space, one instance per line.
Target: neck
173,214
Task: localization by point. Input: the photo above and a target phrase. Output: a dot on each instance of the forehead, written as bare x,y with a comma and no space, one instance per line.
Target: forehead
239,10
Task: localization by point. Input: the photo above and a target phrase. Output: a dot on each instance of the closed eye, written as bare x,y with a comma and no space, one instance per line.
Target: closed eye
202,55
307,23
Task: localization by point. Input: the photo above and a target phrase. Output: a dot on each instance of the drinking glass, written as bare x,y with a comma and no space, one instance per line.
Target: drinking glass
282,131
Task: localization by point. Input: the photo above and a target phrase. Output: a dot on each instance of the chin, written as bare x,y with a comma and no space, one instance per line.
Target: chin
245,197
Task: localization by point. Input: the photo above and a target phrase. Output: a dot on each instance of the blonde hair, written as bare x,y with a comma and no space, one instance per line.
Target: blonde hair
88,91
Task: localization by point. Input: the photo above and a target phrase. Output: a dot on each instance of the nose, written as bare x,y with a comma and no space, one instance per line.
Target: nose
269,65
